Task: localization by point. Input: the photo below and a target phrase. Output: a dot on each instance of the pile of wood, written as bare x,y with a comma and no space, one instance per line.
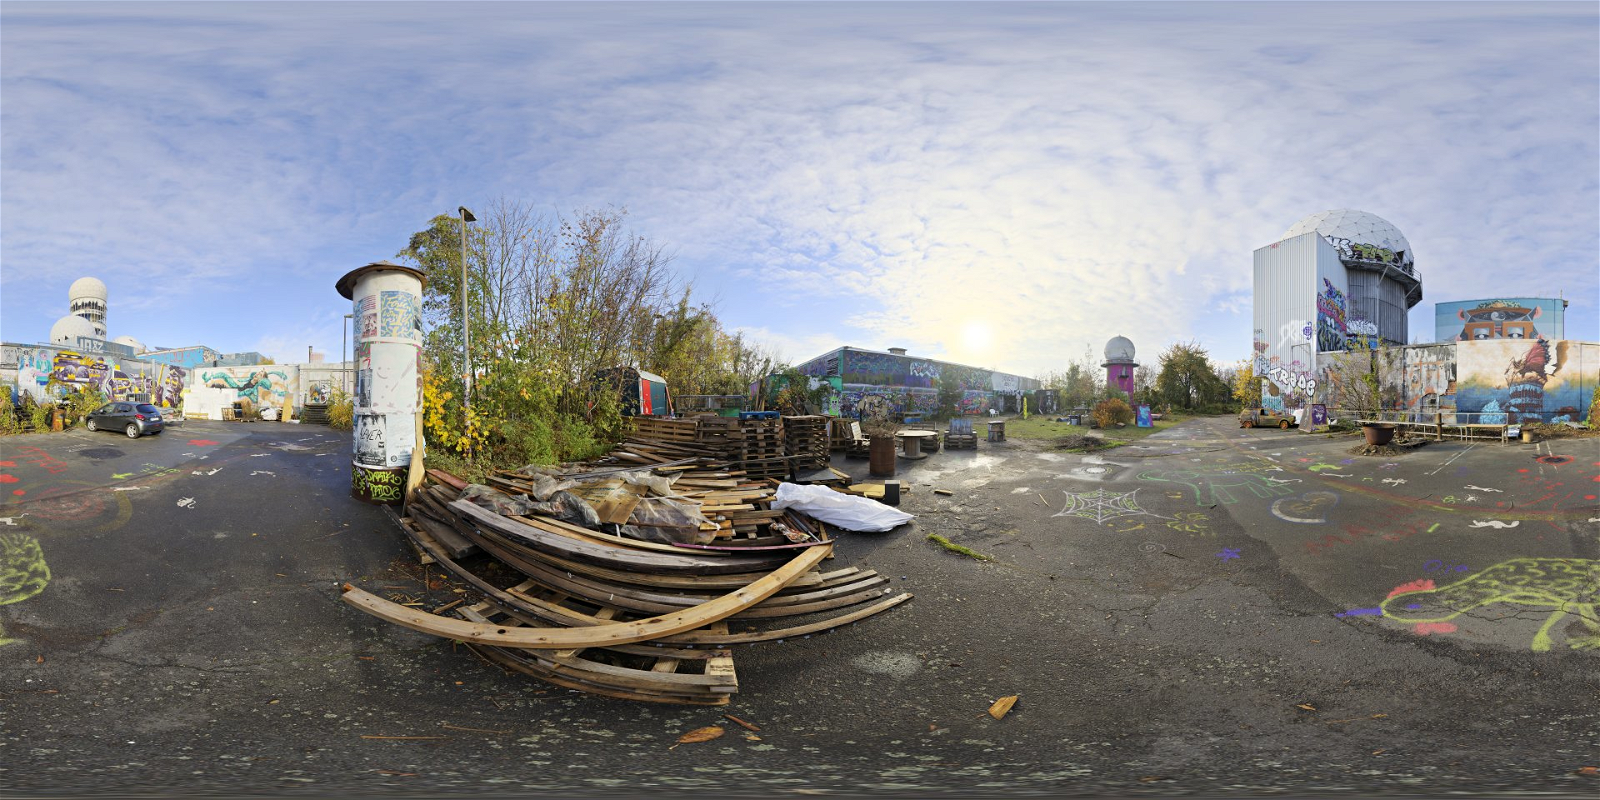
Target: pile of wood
590,609
806,440
762,451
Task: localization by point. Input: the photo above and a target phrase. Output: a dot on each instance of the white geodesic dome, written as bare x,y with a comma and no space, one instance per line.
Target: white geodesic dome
67,330
1358,227
1119,349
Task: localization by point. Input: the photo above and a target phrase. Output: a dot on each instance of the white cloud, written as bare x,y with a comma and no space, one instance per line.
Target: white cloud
873,175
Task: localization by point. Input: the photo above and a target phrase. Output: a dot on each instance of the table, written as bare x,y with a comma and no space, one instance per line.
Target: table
997,430
911,442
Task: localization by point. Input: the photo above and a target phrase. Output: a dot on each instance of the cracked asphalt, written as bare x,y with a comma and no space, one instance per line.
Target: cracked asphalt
1205,611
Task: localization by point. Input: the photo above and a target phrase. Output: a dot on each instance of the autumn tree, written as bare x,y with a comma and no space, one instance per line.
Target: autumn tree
1187,379
1246,385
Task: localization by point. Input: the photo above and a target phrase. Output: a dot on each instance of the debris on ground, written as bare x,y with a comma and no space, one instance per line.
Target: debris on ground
633,575
1397,448
956,548
1002,706
1080,443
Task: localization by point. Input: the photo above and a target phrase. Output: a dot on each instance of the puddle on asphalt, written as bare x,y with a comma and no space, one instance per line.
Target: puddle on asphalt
1050,456
985,463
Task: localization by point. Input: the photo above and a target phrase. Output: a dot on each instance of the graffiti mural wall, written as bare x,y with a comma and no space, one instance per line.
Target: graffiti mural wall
1525,380
1430,380
41,371
1507,318
255,388
905,384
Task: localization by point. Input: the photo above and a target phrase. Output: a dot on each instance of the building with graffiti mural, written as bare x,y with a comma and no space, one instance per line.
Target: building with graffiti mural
901,383
1345,279
1500,318
79,356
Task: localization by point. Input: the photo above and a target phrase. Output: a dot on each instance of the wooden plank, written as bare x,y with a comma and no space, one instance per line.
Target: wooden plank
598,636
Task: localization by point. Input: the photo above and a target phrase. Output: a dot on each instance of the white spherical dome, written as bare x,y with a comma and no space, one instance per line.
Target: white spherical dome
138,346
1355,227
1119,349
87,287
69,328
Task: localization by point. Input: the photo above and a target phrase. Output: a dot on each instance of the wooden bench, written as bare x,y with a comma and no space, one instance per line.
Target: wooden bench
961,435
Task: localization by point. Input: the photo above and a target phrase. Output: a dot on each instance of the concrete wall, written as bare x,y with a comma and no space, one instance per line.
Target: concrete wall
28,369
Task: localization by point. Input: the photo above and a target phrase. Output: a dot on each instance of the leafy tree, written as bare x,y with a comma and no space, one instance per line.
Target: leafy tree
1187,379
949,398
1246,385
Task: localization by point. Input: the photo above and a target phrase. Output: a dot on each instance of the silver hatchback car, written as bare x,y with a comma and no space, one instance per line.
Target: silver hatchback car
133,419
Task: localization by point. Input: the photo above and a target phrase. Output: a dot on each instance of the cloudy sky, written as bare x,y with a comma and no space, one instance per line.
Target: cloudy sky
997,184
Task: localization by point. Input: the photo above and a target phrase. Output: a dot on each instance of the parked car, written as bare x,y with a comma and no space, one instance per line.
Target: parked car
1265,418
134,419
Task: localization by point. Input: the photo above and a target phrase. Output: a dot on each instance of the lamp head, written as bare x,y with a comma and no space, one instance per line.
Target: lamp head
466,216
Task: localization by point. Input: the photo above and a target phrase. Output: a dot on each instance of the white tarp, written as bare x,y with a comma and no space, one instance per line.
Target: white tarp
844,510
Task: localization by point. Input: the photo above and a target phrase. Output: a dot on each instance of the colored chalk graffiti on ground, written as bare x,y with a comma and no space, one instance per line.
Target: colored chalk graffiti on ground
1563,586
1213,486
23,571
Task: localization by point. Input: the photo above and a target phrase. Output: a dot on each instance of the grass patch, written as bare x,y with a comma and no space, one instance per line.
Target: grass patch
1043,426
956,548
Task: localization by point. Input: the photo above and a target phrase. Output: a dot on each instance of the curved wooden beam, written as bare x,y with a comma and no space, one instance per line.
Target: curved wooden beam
598,636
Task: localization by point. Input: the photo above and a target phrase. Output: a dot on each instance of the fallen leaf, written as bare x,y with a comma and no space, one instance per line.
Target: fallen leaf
1379,752
750,737
39,660
273,702
702,734
1589,770
1002,706
1306,706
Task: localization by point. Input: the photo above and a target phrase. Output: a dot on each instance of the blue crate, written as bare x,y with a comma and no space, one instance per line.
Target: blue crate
743,415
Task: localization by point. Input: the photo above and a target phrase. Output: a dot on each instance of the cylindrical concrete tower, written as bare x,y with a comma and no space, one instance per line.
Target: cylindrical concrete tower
1379,267
388,339
1120,365
87,297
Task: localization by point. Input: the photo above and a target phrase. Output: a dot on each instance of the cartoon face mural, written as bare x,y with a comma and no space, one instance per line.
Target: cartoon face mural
1498,319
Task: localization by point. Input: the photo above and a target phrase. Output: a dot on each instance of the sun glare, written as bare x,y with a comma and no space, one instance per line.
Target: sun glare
976,337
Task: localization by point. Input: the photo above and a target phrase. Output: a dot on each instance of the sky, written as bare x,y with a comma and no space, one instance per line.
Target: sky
997,184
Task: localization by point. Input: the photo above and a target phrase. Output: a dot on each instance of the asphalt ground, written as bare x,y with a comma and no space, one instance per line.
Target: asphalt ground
1204,612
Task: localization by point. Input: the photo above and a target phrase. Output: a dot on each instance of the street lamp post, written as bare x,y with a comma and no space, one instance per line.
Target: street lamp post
466,324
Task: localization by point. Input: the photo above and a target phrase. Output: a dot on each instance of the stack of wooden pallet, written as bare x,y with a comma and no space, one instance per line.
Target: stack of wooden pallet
653,440
593,611
761,448
806,440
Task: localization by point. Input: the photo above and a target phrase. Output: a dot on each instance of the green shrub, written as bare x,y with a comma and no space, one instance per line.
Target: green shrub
39,415
341,410
1112,412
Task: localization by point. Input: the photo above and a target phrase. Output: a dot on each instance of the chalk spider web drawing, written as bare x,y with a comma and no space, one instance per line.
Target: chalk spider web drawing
1101,505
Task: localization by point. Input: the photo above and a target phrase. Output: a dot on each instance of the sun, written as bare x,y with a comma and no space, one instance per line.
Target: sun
976,336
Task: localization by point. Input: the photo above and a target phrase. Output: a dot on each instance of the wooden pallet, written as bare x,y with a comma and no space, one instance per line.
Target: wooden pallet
677,675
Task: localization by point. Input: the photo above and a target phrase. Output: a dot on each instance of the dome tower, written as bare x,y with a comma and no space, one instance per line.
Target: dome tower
87,297
1382,276
1119,364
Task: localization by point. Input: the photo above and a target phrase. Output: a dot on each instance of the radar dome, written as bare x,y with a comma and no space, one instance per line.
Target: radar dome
138,346
1357,227
87,287
1119,350
69,328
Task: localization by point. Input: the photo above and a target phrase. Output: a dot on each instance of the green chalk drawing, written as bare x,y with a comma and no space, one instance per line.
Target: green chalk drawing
23,572
1563,585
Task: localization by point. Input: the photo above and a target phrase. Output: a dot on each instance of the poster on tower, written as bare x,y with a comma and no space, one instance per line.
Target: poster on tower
1144,417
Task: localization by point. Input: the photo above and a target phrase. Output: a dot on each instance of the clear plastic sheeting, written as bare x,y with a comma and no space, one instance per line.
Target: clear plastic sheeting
497,501
658,519
846,511
568,507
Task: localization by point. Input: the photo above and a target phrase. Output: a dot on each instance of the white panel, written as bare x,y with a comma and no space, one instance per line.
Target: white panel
1286,286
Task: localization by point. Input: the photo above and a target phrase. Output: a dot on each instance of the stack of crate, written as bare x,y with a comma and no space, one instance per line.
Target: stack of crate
761,448
806,441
